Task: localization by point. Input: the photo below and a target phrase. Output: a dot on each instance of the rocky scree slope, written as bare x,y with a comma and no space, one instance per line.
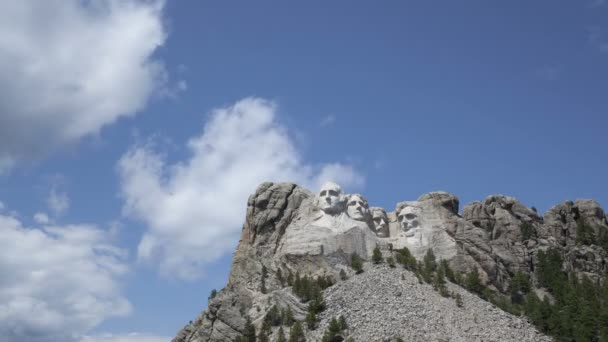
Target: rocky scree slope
383,304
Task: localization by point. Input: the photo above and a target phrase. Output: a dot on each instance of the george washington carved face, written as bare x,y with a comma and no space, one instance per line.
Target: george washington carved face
330,198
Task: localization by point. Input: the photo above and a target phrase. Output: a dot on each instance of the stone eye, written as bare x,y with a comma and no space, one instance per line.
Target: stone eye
410,216
333,193
352,203
323,193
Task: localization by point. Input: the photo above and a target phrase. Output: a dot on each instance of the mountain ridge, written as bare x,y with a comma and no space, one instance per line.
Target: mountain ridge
290,230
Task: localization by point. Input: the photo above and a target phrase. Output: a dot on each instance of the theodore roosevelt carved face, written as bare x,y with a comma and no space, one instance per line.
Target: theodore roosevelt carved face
380,222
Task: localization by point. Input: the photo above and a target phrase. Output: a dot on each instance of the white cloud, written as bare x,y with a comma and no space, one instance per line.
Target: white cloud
131,337
70,67
328,120
58,202
42,218
59,281
194,209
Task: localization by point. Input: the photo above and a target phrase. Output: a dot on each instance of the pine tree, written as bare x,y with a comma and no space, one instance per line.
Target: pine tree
212,294
249,333
356,263
289,278
287,316
334,326
428,266
311,320
459,301
472,281
584,233
343,275
280,277
449,273
377,255
281,335
390,261
296,333
527,231
342,322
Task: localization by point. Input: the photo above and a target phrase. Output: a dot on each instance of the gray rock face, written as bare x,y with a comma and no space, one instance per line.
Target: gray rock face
291,230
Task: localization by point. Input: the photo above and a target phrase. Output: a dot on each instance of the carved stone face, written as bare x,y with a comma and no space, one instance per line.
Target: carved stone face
409,218
330,198
380,222
357,207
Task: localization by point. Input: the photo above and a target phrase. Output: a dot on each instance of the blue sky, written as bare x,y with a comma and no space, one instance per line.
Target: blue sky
131,133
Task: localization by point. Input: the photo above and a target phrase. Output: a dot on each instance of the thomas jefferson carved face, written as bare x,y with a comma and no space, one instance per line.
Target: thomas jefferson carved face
357,207
380,222
330,198
409,218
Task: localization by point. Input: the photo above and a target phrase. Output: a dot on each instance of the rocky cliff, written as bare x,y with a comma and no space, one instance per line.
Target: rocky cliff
289,231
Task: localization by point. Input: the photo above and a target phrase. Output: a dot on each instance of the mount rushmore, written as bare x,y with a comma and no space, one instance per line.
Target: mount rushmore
291,230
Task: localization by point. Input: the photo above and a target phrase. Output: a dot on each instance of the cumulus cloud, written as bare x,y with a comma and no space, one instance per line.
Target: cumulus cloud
42,218
70,67
194,209
58,202
59,281
131,337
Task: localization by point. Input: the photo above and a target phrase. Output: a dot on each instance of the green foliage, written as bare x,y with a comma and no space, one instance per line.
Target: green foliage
584,233
399,339
377,255
335,328
287,317
439,282
549,271
249,333
356,263
309,290
527,231
459,301
405,258
472,282
390,261
603,238
296,334
264,276
280,277
274,316
311,320
290,279
342,323
212,294
263,287
578,311
447,270
429,265
520,285
281,335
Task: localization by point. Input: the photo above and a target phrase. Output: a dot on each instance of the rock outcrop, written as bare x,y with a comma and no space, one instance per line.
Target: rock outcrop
289,230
